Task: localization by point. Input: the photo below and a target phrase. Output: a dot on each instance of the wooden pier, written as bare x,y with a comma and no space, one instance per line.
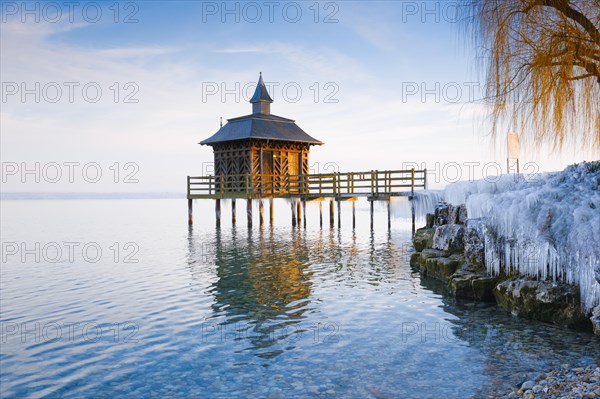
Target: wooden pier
374,185
263,156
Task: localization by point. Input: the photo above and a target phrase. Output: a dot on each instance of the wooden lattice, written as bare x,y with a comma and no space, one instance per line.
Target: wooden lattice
243,157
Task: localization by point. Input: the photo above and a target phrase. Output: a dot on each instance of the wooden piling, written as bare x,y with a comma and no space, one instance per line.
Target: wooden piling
321,213
371,201
299,212
304,213
294,220
233,218
339,204
190,212
249,211
261,218
271,211
331,212
412,209
353,214
218,212
389,213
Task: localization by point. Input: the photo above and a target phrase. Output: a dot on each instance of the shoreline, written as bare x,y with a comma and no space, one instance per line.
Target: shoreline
451,248
564,382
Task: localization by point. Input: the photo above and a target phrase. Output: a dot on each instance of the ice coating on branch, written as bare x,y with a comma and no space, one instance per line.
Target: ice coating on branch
547,226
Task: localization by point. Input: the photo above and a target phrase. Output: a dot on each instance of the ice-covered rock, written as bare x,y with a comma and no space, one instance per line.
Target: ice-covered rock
453,214
462,214
449,237
441,215
545,226
473,241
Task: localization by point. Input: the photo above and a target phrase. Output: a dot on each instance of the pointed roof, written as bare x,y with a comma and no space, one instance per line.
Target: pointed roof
261,93
261,126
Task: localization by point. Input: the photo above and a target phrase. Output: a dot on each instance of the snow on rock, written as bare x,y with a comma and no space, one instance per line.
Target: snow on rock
449,237
545,226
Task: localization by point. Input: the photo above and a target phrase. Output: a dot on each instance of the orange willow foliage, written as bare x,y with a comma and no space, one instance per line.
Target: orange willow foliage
542,63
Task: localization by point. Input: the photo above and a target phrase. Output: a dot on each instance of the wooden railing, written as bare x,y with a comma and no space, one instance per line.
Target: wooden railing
374,183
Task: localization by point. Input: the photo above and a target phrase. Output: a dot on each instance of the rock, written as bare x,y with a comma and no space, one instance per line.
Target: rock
452,214
542,300
449,238
473,285
423,239
595,319
462,214
415,259
441,214
418,259
442,268
429,220
474,245
527,385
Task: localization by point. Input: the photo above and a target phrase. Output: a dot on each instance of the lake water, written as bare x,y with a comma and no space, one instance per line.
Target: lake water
119,298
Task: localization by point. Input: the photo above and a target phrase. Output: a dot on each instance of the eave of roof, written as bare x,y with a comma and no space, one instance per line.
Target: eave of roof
261,126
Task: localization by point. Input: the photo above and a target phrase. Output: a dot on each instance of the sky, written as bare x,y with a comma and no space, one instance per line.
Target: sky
114,96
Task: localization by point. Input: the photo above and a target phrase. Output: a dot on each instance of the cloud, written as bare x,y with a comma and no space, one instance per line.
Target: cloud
303,61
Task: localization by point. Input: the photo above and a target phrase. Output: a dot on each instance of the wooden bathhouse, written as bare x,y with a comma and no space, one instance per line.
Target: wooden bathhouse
264,156
261,152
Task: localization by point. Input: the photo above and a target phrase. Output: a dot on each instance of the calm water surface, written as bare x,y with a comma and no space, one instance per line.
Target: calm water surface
121,299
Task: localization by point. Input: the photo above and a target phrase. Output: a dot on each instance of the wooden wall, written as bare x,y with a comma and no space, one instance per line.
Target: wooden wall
260,157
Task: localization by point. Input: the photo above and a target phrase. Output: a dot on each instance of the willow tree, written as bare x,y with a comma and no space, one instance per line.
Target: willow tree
542,65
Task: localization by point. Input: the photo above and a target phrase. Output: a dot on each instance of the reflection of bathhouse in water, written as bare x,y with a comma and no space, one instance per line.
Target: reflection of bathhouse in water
261,291
263,283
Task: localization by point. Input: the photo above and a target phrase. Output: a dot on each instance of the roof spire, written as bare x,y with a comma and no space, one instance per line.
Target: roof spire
261,101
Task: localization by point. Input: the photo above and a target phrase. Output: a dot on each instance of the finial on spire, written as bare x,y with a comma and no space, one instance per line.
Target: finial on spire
221,122
261,101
